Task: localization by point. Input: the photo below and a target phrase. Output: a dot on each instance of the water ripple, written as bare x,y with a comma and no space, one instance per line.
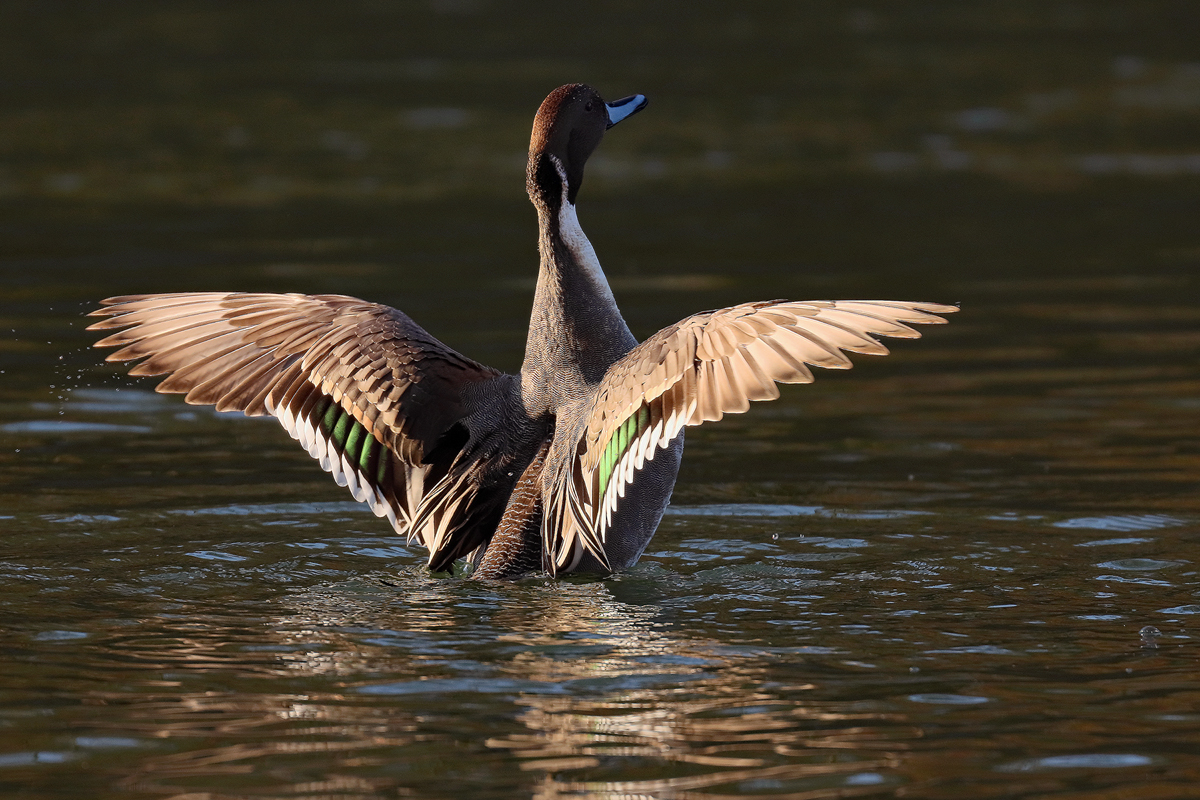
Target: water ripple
56,426
272,508
1118,522
1082,761
785,510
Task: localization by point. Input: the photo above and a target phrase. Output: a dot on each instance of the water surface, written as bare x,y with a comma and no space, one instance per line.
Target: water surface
966,570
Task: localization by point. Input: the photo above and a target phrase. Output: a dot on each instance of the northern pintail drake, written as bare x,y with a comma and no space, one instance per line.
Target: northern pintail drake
564,467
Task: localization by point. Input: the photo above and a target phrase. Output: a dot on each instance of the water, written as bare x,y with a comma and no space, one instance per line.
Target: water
965,570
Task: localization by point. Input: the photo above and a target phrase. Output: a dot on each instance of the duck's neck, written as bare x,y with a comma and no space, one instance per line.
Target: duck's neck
576,331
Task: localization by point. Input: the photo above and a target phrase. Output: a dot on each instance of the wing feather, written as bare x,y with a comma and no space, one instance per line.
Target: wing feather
312,361
696,371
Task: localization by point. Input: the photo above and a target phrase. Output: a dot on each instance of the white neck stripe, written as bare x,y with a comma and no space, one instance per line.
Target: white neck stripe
573,236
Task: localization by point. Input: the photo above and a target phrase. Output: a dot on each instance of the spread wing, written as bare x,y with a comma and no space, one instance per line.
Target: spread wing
371,395
696,371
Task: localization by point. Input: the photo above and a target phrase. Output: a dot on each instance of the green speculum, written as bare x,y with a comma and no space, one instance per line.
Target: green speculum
622,439
352,438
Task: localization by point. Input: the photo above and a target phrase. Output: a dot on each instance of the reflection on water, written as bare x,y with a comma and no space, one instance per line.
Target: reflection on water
763,660
966,570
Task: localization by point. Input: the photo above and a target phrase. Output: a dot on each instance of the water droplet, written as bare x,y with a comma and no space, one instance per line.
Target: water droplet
1148,635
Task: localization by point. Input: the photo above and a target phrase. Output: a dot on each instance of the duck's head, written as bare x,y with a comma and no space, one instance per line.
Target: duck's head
568,127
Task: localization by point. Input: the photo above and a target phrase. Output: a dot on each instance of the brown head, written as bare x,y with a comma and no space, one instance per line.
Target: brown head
568,127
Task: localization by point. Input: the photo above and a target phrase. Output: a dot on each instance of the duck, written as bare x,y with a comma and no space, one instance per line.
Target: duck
565,467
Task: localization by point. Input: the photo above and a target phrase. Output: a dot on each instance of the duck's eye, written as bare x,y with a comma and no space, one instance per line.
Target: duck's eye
588,107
